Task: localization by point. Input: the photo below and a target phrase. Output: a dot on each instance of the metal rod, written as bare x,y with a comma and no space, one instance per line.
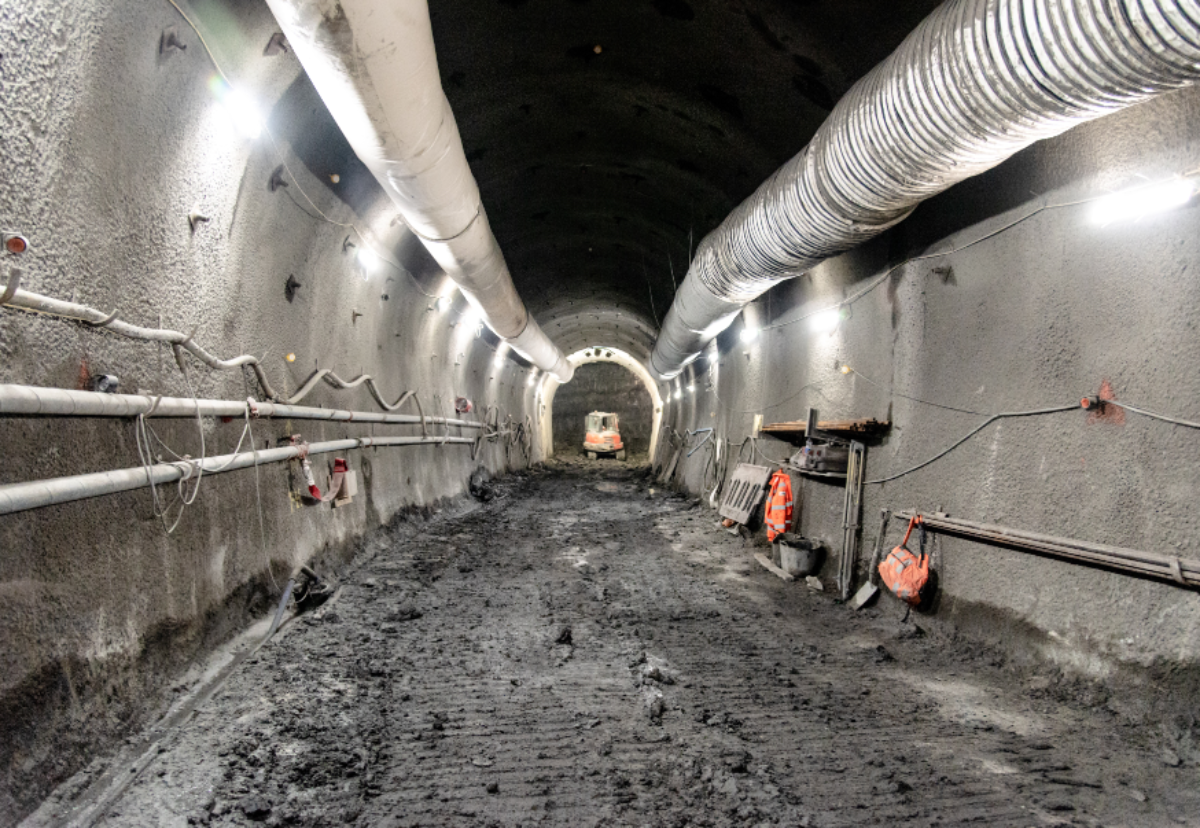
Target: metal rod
850,509
20,497
873,571
1150,564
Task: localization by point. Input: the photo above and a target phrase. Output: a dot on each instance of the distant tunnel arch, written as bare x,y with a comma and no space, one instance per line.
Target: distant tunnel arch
635,398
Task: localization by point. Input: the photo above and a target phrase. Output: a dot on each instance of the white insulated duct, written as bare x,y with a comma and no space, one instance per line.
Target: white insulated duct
374,65
977,81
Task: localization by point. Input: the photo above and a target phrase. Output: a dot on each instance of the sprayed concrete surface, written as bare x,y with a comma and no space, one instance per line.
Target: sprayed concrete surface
109,144
1017,304
588,649
602,387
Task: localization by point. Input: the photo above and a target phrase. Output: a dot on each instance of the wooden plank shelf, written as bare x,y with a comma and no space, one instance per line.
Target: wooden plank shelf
847,428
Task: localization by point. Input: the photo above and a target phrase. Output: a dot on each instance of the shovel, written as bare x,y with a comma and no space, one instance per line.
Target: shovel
868,590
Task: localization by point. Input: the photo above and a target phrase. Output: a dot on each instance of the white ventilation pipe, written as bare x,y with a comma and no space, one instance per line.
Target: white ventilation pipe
374,65
977,81
32,401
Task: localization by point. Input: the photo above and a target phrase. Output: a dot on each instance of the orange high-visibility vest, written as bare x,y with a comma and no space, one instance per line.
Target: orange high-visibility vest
904,573
779,505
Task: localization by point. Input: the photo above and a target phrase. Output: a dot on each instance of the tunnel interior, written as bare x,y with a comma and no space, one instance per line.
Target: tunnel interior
272,458
606,387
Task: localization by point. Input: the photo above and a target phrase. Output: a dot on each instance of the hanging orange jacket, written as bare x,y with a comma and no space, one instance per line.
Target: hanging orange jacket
779,505
904,573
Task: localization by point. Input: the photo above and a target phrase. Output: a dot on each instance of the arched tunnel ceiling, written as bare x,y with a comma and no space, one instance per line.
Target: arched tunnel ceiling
609,136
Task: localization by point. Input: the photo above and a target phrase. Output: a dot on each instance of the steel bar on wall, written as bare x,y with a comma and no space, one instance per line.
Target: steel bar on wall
1170,568
851,508
34,494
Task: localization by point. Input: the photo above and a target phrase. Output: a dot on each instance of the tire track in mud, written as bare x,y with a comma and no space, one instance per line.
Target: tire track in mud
587,652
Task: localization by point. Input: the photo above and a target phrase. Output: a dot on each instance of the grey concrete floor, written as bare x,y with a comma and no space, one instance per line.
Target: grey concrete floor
588,649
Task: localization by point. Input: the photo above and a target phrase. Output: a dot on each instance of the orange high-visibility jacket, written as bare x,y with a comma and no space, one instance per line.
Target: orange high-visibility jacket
779,505
905,573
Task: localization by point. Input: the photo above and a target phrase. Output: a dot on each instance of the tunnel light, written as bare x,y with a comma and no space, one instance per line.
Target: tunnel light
240,109
749,334
692,388
470,317
679,394
501,350
826,321
845,369
442,304
532,379
1137,203
368,258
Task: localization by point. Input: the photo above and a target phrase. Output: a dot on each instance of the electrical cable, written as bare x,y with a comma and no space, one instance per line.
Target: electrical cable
1163,417
1002,416
44,305
896,393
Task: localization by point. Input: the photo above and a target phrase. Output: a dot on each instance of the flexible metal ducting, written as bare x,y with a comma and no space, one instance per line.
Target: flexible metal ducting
977,81
374,65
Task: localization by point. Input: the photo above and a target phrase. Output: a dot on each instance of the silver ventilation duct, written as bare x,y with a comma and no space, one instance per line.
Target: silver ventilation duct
374,65
977,81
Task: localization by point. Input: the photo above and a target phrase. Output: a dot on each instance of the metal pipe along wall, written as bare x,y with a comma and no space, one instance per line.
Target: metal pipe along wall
32,401
19,497
977,81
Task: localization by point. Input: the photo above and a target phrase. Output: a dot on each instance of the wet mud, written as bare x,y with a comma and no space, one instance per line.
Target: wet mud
587,649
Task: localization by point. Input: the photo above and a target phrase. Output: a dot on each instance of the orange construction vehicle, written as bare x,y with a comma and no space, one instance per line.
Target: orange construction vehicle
603,436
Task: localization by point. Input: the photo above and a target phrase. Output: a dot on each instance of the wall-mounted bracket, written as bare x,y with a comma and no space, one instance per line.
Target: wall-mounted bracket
276,181
277,45
170,41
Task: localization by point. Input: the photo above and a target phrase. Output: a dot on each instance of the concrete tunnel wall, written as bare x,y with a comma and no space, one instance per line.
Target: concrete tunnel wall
1040,314
602,386
109,146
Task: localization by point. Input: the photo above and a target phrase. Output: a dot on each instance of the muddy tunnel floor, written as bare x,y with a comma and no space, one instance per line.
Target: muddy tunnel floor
588,650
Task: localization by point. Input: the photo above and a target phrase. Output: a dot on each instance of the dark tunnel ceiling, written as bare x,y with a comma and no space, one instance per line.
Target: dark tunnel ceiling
596,167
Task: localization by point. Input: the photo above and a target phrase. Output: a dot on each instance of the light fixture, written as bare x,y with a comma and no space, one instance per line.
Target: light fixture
679,394
368,258
845,369
442,303
501,350
692,388
532,378
1138,202
470,317
749,334
239,108
826,321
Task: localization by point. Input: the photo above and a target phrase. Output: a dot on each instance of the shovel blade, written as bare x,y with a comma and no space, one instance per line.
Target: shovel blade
864,595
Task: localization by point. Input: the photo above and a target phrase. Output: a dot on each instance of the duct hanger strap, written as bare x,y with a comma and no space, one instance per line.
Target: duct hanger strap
459,234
